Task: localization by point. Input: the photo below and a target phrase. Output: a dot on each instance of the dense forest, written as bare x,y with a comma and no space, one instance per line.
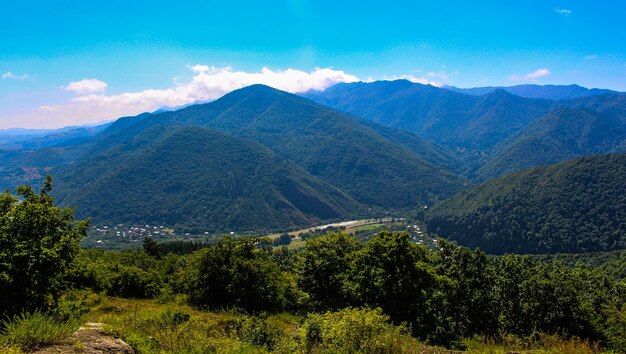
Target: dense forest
200,179
561,135
573,207
492,130
386,295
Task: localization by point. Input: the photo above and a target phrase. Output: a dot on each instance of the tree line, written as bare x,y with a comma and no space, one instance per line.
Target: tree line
442,296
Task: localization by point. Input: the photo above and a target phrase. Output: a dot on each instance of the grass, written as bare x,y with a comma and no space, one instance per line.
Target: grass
171,326
544,344
151,327
29,331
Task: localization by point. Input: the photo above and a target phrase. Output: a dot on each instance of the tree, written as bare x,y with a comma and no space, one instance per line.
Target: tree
38,244
151,247
237,274
394,274
323,268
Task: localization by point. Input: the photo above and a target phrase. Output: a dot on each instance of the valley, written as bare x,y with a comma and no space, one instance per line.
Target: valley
273,213
312,177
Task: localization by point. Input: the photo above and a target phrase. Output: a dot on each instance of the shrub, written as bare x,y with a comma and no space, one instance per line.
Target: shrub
32,330
258,331
133,282
354,330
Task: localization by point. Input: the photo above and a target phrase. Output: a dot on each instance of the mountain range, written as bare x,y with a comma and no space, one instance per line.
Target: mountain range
550,92
263,159
494,133
342,164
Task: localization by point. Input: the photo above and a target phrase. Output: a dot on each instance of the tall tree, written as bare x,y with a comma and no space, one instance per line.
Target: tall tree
38,243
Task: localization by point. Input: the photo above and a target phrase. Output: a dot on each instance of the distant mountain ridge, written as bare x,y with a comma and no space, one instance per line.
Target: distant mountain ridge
449,118
496,132
549,92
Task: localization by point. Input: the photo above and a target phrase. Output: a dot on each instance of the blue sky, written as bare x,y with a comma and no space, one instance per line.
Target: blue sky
124,57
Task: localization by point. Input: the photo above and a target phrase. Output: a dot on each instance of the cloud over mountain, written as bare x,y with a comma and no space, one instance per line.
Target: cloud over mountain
91,103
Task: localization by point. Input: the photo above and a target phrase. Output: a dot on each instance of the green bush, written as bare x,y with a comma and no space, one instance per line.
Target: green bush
134,282
354,330
259,332
30,331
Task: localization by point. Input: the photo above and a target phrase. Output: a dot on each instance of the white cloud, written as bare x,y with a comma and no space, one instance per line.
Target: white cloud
10,75
417,80
200,68
86,86
564,12
208,83
533,76
591,57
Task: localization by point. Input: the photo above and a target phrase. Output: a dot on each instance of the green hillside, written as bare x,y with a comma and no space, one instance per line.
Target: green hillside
201,179
450,118
575,206
326,143
562,134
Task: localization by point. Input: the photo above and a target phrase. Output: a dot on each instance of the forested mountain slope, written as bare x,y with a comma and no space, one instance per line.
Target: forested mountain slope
326,143
571,207
562,134
200,179
450,118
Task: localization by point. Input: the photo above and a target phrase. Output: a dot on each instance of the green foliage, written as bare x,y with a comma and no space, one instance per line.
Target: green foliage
443,296
201,180
30,331
236,274
151,247
575,206
38,243
132,274
134,282
562,134
322,270
354,330
394,274
259,331
466,302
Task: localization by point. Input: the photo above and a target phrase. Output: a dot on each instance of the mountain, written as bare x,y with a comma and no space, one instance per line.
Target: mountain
562,134
54,138
326,143
453,119
549,92
571,207
315,164
199,179
434,154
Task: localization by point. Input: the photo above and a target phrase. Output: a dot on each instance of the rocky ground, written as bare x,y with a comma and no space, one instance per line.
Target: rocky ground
90,339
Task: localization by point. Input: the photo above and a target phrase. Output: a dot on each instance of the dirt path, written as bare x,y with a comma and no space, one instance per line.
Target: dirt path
90,339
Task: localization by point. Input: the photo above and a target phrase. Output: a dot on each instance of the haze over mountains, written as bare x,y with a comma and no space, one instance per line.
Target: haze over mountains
262,159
